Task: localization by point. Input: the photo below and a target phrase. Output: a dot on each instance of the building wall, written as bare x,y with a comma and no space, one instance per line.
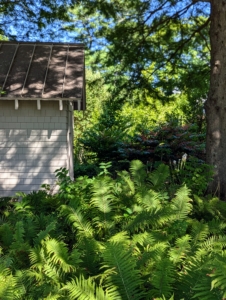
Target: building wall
33,144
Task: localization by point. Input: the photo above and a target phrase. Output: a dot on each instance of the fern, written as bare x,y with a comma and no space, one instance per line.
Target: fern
102,194
53,260
218,275
163,298
138,172
19,232
128,184
120,237
44,233
152,200
199,232
103,200
31,228
181,249
202,290
7,287
6,234
42,269
10,288
89,250
148,255
159,176
162,278
216,226
78,220
86,289
119,265
58,254
181,205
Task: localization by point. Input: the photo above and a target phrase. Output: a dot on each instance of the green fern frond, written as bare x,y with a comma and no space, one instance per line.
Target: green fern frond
58,254
53,297
163,278
212,244
150,219
142,239
181,249
102,196
19,233
78,220
216,226
221,242
159,176
121,267
149,255
217,207
31,228
120,237
128,184
89,249
152,200
199,232
6,262
9,287
34,276
52,260
37,258
181,205
218,275
86,289
23,206
42,267
44,233
6,234
140,222
202,290
138,172
146,242
163,298
52,273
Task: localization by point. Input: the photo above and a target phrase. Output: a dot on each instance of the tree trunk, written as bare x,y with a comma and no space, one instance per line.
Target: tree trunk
216,102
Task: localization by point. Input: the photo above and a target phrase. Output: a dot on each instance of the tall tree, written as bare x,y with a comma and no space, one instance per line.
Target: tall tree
216,103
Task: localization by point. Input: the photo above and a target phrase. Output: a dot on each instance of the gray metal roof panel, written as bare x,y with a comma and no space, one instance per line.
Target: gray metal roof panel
42,71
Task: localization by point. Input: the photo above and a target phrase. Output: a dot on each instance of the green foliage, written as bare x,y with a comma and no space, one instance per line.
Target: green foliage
182,148
119,266
136,235
148,49
194,172
105,136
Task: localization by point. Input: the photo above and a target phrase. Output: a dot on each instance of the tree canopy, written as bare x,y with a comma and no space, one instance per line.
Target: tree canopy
32,20
158,37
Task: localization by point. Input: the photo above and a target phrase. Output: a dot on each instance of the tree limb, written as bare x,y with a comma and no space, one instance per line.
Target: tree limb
195,1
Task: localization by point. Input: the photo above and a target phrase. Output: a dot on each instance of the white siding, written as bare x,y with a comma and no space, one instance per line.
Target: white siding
33,144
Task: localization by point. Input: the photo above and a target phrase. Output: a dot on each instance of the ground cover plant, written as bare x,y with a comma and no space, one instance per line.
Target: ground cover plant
138,235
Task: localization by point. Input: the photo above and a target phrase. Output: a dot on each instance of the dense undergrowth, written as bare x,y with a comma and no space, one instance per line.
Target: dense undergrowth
137,235
109,141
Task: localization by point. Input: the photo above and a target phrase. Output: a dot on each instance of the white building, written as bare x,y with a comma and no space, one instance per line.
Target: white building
41,83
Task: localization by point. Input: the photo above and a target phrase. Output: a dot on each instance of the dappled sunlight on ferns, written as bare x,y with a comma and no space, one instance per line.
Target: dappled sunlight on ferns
114,238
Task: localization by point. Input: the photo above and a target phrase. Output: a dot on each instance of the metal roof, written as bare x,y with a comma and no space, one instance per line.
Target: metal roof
42,71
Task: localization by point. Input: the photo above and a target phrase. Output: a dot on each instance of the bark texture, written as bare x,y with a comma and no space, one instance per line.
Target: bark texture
216,102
